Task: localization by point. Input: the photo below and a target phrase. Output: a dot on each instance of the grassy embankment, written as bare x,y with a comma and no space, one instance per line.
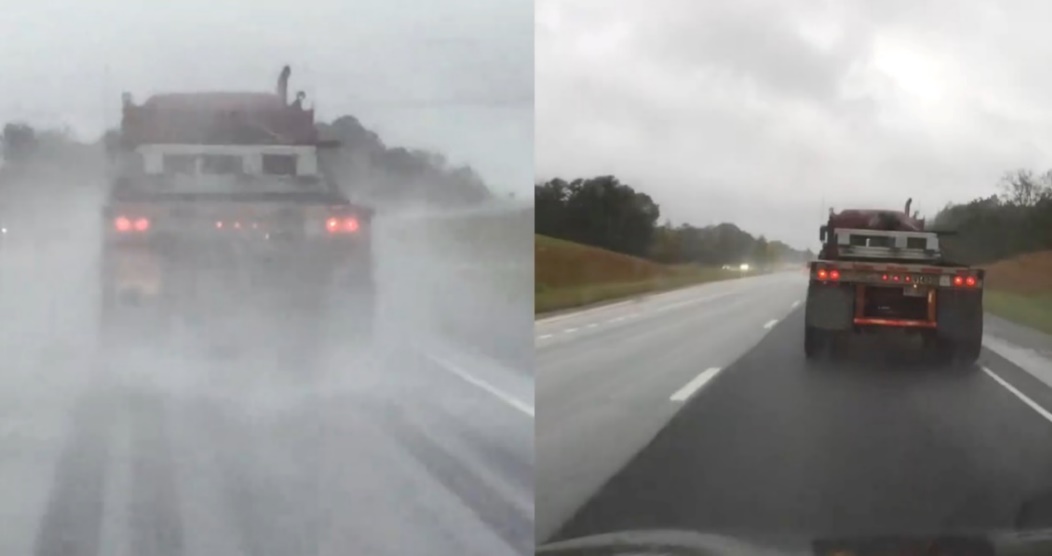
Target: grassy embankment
1020,290
568,274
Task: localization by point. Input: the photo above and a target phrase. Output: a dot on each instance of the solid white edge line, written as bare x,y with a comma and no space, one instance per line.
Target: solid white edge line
1033,405
694,385
565,316
770,324
544,336
467,377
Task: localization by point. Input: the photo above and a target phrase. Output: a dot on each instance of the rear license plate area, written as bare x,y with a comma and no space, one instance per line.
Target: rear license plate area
914,291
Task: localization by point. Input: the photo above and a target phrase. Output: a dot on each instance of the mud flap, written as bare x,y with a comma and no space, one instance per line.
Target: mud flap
351,312
959,329
830,307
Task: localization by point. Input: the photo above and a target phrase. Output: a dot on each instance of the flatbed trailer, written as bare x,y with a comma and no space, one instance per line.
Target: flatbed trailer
219,220
872,280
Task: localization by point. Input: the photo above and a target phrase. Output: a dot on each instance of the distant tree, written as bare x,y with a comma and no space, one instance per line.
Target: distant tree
761,255
1021,188
597,211
19,142
364,165
605,213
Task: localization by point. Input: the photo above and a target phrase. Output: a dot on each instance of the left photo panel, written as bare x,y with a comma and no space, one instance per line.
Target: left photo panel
266,272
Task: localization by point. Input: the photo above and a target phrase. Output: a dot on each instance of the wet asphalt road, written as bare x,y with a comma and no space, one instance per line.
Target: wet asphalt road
708,418
413,446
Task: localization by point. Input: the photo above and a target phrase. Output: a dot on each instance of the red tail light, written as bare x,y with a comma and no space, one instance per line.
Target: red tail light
124,224
970,281
822,274
834,274
342,225
958,280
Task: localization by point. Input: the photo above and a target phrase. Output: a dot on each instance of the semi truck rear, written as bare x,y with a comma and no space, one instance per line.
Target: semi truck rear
880,271
220,222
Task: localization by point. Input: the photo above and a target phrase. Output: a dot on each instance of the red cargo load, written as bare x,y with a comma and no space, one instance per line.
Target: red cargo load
217,118
875,220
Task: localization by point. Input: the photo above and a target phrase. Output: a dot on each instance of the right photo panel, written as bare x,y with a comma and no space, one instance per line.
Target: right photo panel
793,277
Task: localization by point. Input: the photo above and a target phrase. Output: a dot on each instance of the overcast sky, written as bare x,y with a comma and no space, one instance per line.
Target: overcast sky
454,76
753,111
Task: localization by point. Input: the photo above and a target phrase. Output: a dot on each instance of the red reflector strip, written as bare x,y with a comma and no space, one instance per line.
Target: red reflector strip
903,323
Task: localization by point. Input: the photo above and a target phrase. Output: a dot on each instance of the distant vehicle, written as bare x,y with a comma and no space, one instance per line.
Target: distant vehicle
880,269
218,208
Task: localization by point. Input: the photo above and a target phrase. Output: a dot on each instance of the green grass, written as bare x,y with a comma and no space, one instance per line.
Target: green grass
1034,311
568,275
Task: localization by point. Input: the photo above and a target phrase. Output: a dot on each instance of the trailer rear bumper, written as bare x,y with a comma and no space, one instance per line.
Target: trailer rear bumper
894,323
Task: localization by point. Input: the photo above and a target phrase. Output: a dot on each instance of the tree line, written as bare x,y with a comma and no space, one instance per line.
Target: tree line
1014,221
603,212
363,164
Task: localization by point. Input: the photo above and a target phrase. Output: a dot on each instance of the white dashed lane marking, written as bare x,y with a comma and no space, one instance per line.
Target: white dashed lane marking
694,385
615,320
588,326
795,304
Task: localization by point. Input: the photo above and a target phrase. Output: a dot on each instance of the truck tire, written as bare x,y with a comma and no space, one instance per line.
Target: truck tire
815,341
352,316
131,323
968,351
958,353
831,343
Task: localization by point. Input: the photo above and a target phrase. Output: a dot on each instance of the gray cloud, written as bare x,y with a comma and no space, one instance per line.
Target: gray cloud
454,76
758,112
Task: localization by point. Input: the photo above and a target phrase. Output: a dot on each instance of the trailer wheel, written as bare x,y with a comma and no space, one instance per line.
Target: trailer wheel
967,351
958,353
814,342
839,343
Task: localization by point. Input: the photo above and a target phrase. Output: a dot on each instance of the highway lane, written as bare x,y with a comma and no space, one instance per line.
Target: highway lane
605,376
357,461
418,445
774,444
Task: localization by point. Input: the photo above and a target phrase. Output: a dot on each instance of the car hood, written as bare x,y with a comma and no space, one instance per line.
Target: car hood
690,543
